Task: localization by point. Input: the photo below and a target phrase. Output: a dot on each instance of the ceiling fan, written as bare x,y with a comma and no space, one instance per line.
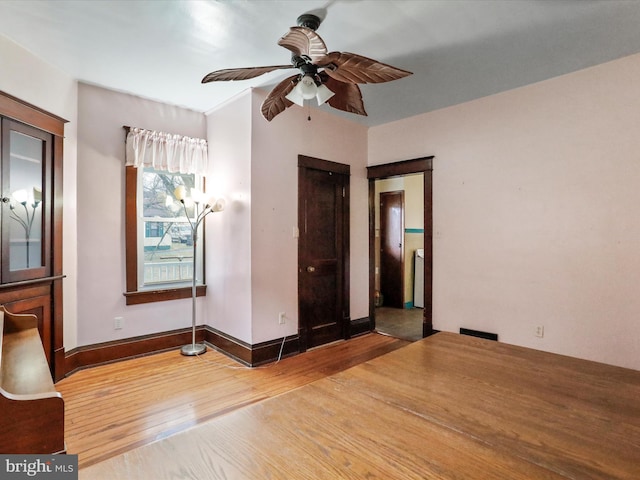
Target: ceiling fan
330,77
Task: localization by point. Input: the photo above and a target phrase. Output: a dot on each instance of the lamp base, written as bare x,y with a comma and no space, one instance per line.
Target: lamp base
193,349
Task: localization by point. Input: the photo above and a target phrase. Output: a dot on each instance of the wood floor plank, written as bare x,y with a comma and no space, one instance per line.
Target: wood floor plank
549,411
447,408
113,408
392,443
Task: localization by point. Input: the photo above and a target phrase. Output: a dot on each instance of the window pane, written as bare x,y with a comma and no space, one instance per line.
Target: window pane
168,252
158,194
166,246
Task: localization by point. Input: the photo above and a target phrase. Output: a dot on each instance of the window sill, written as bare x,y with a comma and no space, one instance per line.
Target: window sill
149,296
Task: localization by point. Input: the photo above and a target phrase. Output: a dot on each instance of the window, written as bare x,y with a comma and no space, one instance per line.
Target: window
159,240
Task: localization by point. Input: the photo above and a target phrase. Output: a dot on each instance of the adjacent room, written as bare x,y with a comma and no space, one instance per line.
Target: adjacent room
321,239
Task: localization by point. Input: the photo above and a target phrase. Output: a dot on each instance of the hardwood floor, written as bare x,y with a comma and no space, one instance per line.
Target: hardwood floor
448,407
113,408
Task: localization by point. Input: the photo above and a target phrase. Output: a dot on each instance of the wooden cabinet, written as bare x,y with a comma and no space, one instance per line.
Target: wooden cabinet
31,220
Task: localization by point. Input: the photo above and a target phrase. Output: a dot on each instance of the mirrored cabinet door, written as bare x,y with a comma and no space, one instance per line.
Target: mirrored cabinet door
26,153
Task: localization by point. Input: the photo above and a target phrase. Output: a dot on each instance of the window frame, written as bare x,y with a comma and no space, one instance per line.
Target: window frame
134,295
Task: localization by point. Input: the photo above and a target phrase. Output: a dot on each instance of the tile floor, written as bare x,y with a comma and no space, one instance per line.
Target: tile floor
405,323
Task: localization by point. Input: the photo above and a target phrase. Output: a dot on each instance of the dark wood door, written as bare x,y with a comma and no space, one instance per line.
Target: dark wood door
392,248
323,243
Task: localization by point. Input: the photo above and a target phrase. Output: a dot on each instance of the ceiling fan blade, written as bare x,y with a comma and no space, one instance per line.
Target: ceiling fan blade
303,41
352,68
241,73
347,98
276,102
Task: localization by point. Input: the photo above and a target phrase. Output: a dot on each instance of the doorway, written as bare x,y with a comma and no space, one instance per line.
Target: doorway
396,172
323,246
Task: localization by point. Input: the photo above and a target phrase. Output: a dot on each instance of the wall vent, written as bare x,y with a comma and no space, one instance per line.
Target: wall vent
478,333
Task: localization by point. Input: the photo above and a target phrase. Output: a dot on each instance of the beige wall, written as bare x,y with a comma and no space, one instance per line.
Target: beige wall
228,252
101,213
261,160
276,146
535,198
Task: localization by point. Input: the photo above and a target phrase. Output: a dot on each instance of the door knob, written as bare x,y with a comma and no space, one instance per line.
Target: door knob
311,269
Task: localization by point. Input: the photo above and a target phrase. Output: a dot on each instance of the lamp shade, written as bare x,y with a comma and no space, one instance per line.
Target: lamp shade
21,196
180,193
219,205
308,87
295,96
196,195
323,94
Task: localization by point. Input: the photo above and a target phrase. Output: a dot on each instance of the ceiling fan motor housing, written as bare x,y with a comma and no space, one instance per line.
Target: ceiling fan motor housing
308,68
309,20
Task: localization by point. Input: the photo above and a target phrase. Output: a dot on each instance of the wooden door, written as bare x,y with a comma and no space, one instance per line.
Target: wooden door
322,251
392,248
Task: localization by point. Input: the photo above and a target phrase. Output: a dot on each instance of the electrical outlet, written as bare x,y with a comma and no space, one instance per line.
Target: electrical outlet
118,323
281,318
539,331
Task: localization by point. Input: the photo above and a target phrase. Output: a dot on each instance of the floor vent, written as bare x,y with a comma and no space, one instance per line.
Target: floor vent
478,333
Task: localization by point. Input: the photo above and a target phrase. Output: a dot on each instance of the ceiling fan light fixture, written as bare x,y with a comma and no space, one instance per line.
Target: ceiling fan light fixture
295,96
323,94
308,87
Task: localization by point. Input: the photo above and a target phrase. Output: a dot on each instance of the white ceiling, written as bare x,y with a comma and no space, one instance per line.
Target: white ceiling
457,50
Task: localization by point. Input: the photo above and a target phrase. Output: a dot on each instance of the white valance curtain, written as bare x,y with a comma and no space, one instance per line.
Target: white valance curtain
166,151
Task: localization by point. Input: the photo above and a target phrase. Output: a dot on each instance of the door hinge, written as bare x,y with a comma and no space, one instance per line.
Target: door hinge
343,192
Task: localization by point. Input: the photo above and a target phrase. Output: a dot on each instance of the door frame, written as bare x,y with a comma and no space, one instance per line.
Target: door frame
377,172
305,162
